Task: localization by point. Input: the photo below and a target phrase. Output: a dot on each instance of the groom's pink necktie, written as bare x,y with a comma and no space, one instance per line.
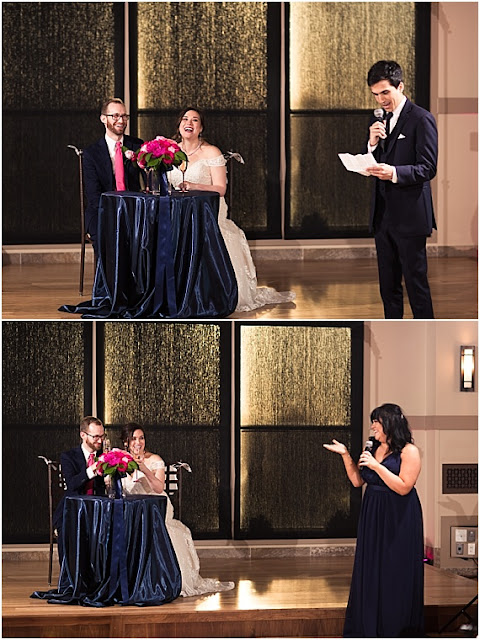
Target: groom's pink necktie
89,483
119,169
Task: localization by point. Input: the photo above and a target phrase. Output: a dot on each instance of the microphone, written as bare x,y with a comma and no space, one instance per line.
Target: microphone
378,115
369,445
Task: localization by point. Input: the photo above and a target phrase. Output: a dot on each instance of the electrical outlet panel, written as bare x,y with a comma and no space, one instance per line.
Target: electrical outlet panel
464,541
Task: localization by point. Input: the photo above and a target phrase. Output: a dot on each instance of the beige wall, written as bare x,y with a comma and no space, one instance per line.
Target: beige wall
454,92
416,365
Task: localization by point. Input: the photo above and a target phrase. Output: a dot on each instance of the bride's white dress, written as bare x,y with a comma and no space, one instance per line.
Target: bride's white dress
192,582
249,295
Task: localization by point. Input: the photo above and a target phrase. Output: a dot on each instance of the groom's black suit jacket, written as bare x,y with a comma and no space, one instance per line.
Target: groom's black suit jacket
412,148
74,471
98,177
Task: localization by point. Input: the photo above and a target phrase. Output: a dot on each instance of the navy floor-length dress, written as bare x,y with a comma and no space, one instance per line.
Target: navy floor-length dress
386,593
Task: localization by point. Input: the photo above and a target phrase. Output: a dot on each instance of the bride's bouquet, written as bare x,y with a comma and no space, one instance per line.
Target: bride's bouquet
161,154
116,461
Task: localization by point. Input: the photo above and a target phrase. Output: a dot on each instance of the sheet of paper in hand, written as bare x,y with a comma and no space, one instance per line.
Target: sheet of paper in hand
358,163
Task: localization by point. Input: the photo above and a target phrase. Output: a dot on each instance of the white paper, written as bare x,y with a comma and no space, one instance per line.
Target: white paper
358,163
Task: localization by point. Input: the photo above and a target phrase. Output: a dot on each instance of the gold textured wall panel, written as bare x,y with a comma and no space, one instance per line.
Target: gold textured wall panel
323,196
211,54
162,373
334,44
43,373
295,375
57,55
289,483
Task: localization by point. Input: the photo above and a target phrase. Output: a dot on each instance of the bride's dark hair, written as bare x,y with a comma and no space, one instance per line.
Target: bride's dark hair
177,135
127,433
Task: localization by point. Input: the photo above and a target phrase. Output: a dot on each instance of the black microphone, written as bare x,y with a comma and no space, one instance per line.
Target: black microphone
369,445
379,116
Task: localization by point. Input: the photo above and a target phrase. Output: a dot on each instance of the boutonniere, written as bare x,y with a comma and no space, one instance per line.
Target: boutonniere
129,154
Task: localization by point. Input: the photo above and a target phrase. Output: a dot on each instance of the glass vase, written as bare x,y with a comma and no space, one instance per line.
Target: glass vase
157,183
115,488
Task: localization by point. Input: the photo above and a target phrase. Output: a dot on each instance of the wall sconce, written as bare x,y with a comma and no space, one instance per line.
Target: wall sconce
467,368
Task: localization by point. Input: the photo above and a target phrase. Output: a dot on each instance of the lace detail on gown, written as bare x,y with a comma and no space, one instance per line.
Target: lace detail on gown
249,295
192,582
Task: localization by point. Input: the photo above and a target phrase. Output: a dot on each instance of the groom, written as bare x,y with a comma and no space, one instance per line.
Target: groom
79,470
102,169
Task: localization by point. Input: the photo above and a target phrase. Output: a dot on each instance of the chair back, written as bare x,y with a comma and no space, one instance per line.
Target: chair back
56,486
84,236
229,156
173,484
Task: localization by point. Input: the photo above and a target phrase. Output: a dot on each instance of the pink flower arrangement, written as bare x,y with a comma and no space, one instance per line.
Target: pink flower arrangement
116,460
161,153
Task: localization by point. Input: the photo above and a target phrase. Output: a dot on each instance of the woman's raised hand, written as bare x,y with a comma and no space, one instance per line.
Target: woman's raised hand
336,447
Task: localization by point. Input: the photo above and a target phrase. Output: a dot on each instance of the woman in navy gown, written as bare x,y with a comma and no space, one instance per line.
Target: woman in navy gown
386,593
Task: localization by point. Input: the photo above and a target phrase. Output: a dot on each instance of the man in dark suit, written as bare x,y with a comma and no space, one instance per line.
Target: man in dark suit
402,209
99,162
79,470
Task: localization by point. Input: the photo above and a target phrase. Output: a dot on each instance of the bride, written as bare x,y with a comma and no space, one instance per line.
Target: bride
150,478
206,172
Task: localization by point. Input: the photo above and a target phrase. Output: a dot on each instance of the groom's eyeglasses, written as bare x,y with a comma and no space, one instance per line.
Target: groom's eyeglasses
95,437
117,116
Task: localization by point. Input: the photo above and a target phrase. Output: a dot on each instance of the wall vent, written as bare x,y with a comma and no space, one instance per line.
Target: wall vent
459,478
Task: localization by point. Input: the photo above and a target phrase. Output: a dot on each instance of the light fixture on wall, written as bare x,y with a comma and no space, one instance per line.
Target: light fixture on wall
467,368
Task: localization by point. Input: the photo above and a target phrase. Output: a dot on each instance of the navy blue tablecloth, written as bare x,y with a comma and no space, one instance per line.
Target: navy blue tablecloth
115,552
160,257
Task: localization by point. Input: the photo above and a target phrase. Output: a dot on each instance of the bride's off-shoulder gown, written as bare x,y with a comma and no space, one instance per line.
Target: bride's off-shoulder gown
192,582
249,295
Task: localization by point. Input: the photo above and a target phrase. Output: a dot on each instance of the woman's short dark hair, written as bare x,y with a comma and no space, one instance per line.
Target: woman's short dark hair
395,425
128,430
385,70
177,135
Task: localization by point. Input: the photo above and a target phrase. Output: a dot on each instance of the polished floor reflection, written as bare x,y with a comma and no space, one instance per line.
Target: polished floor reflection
277,596
326,289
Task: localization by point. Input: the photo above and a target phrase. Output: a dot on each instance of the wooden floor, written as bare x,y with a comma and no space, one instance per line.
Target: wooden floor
283,597
325,289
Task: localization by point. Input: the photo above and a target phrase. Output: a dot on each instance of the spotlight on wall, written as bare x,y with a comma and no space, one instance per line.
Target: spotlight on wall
467,368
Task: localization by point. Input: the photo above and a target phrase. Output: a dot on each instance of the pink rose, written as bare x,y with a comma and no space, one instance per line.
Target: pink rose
130,155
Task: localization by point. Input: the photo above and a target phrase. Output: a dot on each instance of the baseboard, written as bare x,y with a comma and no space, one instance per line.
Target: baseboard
261,252
251,549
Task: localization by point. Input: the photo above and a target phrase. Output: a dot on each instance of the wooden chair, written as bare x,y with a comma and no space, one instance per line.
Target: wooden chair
84,237
229,156
56,487
173,483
